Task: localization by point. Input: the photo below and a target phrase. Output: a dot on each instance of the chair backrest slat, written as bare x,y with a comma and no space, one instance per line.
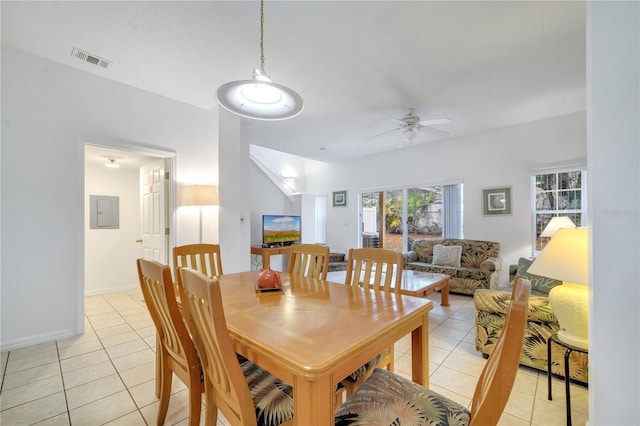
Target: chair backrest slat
378,267
201,257
309,260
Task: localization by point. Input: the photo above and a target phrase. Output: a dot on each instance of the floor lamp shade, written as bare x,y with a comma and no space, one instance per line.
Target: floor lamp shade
199,195
566,258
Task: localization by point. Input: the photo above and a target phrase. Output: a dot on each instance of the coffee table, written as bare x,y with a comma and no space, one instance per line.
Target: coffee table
422,284
414,283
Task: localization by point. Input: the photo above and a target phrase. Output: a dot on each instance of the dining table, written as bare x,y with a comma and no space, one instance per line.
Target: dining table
312,333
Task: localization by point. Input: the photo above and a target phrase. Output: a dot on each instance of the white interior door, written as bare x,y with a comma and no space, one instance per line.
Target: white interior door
153,192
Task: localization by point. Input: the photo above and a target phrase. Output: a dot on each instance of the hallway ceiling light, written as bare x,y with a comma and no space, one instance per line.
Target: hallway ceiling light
260,98
112,164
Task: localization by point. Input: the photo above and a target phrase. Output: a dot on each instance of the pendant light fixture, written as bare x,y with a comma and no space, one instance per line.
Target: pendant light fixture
260,98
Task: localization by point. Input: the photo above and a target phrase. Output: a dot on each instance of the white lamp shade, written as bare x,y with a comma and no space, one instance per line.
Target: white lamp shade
555,224
199,195
566,257
260,100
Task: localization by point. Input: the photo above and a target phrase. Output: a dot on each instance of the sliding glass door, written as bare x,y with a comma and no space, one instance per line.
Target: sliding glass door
393,219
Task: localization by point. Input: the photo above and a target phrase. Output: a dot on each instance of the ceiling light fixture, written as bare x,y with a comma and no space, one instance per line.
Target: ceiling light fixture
260,98
409,135
112,164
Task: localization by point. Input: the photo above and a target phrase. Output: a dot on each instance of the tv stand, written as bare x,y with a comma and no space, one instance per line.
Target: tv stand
267,252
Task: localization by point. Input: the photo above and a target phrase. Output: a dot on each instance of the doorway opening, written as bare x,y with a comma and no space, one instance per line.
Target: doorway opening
110,253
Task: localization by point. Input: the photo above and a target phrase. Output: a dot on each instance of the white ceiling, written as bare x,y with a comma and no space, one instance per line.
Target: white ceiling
356,63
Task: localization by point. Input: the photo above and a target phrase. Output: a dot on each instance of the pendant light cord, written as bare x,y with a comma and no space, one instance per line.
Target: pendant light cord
262,37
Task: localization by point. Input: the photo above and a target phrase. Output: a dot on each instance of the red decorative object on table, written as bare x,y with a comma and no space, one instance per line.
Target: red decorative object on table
269,279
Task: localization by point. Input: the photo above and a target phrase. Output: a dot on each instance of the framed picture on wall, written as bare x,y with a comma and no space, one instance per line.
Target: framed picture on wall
340,199
496,201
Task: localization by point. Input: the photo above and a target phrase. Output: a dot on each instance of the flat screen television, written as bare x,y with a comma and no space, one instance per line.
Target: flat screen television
280,229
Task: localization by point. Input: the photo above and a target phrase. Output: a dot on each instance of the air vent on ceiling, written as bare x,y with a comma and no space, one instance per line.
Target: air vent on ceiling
90,58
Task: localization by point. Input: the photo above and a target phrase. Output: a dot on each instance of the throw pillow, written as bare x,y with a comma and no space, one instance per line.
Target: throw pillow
447,255
538,283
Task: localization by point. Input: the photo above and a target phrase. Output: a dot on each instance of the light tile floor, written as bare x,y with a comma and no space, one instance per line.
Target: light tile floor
106,376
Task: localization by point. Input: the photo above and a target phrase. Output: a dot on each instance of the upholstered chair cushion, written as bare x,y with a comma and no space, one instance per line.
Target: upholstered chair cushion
404,403
272,397
363,370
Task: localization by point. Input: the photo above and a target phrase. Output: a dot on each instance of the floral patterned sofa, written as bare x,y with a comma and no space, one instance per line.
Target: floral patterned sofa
479,263
491,310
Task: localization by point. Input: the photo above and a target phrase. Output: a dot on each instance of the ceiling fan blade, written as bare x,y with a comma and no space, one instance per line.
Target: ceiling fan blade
435,121
382,134
433,131
401,123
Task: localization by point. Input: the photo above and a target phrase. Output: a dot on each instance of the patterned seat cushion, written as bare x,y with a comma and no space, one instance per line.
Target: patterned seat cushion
272,397
362,371
388,399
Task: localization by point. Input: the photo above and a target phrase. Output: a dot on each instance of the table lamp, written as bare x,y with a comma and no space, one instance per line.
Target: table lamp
556,223
199,195
566,258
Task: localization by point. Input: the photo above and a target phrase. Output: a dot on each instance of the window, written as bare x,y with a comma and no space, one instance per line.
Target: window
561,193
409,214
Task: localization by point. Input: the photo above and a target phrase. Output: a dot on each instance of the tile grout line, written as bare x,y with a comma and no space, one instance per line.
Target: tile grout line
114,367
138,409
4,371
64,389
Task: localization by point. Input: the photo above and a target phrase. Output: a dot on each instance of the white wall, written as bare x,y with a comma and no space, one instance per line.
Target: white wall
110,253
614,202
235,204
48,110
502,157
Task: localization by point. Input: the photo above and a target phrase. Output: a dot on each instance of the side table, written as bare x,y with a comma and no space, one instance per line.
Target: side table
568,349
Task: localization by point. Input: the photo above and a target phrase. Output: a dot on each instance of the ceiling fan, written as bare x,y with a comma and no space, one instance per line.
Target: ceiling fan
410,125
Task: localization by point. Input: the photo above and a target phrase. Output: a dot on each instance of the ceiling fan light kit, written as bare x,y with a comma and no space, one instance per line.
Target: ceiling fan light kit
410,127
409,135
260,98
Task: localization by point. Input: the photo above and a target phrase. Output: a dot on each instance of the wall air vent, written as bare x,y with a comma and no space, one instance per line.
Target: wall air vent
90,58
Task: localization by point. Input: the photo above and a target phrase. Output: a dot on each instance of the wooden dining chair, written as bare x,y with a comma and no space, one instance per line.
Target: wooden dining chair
382,270
376,267
309,260
245,393
201,257
177,354
387,398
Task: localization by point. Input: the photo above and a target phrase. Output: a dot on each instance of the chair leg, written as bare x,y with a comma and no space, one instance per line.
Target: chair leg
339,398
195,399
165,389
158,367
349,388
211,410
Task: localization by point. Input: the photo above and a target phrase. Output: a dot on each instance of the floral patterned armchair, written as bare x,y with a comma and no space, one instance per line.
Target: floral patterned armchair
491,310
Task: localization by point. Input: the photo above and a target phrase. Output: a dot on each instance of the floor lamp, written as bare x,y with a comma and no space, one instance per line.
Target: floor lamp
199,195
